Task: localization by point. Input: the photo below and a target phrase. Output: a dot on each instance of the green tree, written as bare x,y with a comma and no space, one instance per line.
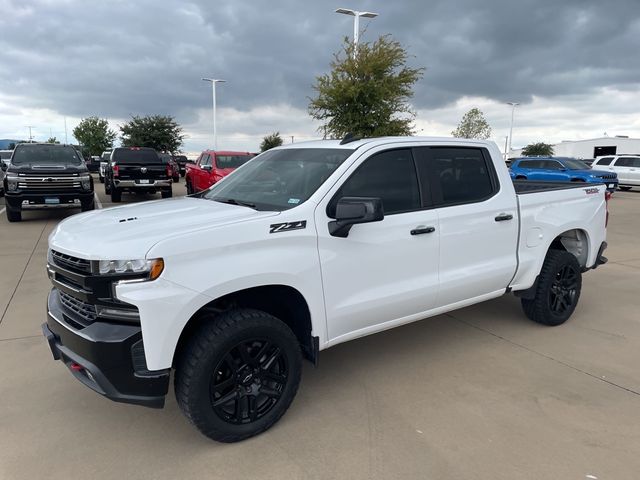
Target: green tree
161,132
473,125
366,94
540,149
94,135
52,140
271,141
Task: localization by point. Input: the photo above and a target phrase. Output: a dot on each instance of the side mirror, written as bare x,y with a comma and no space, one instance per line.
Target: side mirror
3,166
206,167
353,210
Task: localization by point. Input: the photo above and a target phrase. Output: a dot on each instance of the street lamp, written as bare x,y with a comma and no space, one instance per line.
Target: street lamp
356,23
213,90
513,111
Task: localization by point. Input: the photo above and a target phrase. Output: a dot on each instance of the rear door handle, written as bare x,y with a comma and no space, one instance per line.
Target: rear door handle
504,217
422,230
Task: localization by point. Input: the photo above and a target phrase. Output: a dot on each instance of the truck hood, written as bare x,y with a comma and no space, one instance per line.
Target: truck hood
128,232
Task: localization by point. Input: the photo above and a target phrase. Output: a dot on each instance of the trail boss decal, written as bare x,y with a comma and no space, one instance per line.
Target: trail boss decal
588,191
284,227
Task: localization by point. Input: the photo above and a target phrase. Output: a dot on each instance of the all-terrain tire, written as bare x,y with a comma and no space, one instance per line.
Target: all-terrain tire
212,357
167,193
14,215
556,297
88,207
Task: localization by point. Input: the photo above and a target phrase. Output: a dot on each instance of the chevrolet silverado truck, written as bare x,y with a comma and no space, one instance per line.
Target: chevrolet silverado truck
43,176
305,247
211,167
138,170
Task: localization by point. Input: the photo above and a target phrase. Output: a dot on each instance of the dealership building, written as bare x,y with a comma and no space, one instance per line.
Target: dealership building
592,148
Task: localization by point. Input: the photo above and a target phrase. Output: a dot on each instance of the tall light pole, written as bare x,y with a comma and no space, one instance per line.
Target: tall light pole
356,23
513,111
213,90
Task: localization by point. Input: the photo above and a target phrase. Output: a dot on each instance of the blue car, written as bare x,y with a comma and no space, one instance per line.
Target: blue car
560,169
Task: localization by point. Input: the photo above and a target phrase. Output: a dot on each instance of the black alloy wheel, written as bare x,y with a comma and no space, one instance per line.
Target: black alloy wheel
237,374
557,290
562,294
249,381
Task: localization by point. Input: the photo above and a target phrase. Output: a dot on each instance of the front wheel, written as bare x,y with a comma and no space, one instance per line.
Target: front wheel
167,193
14,215
557,291
624,188
101,178
88,206
238,374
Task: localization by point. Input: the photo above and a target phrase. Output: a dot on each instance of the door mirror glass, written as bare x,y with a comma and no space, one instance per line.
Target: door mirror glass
353,210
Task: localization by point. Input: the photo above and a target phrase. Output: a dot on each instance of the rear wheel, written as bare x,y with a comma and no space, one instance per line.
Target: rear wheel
238,374
624,188
116,195
101,178
14,215
557,291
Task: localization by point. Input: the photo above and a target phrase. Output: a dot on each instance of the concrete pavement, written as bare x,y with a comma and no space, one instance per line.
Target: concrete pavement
482,393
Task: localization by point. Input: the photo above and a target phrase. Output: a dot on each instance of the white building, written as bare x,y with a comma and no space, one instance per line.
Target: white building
592,148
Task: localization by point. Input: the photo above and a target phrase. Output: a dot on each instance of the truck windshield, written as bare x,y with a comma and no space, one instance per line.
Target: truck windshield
46,154
279,179
135,155
573,164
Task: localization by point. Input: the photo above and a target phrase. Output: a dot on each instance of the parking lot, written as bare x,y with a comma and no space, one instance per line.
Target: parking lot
481,393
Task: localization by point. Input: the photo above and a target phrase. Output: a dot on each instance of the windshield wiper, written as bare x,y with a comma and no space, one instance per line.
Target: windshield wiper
233,201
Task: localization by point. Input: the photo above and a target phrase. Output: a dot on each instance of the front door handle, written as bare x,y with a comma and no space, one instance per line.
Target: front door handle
504,217
422,230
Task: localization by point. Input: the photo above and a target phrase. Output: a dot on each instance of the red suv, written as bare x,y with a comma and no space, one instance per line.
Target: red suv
211,167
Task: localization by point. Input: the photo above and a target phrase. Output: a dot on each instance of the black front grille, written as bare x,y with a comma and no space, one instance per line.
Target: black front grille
607,177
79,265
79,311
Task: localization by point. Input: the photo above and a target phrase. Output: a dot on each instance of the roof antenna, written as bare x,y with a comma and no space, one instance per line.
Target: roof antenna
350,137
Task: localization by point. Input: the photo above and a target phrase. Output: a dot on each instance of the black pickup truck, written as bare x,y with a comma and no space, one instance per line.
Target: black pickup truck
136,169
43,176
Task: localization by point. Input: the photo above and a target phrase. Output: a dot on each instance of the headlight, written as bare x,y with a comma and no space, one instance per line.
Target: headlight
152,267
12,183
50,257
86,183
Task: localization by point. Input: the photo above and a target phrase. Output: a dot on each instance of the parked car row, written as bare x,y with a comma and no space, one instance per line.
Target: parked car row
560,169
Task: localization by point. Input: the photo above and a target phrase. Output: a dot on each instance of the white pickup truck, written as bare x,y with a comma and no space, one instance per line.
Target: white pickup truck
304,247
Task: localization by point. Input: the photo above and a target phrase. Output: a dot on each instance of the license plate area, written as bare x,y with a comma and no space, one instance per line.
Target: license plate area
52,201
144,182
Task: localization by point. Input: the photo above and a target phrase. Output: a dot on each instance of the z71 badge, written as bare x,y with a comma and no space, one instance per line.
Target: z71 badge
591,191
285,227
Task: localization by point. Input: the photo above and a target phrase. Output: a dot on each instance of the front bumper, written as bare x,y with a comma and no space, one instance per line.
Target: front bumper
40,200
106,357
135,184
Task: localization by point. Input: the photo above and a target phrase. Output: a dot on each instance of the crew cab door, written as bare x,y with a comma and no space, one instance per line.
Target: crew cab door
628,170
478,221
386,270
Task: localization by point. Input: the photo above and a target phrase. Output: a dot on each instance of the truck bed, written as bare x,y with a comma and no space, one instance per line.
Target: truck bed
525,186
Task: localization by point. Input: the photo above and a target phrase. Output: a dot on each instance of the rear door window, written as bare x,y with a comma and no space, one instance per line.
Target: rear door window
627,162
535,164
456,175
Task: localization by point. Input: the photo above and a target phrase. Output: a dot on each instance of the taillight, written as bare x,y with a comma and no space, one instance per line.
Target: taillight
116,170
607,197
169,171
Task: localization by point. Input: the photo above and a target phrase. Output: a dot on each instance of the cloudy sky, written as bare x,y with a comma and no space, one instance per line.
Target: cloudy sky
572,64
